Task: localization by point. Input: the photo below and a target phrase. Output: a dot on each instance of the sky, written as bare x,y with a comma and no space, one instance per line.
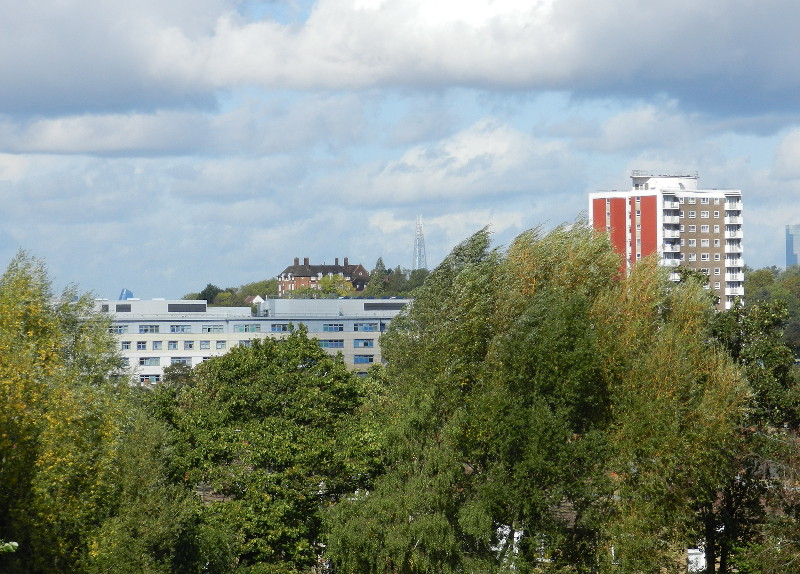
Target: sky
161,146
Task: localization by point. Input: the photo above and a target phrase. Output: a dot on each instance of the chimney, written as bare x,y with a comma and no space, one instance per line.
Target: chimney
305,261
336,262
297,261
346,262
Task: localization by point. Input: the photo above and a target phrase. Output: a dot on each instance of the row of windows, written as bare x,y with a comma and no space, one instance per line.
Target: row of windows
703,257
703,242
156,361
339,343
171,345
703,200
703,214
242,328
703,228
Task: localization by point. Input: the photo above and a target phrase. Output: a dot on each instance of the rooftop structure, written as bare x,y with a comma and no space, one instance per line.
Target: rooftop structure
299,276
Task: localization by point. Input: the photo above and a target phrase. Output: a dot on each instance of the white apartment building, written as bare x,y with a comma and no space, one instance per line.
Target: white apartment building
153,334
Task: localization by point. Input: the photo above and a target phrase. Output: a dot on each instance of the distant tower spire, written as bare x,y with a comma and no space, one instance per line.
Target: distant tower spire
420,262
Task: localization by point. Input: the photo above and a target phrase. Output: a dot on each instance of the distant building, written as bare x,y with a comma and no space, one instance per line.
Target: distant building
299,276
157,333
792,245
669,215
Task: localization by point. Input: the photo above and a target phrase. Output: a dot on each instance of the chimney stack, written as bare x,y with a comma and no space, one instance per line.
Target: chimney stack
305,261
297,261
336,262
346,262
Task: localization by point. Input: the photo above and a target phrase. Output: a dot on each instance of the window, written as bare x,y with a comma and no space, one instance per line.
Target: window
703,215
704,200
211,329
331,343
188,345
118,329
704,242
692,214
141,345
638,227
148,328
681,256
181,361
157,345
704,271
149,378
704,257
716,257
124,361
681,214
365,327
248,328
716,243
716,229
638,213
172,345
704,229
279,327
693,257
125,346
716,284
692,200
205,344
332,327
246,343
363,343
683,242
680,200
693,243
221,344
716,271
363,359
149,361
716,214
180,328
716,201
692,228
681,228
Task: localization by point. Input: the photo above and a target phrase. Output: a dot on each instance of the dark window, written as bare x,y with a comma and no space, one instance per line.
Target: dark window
186,307
123,308
383,306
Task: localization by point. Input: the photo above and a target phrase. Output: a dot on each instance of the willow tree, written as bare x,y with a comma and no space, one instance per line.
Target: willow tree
543,411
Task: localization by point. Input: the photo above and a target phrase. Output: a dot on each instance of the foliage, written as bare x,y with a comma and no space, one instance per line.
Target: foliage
265,432
395,282
235,296
772,285
72,442
540,411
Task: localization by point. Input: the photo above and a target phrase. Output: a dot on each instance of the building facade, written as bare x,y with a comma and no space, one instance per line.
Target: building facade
154,334
299,276
668,215
792,245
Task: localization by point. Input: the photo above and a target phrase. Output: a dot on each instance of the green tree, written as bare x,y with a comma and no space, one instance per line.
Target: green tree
266,430
543,412
377,280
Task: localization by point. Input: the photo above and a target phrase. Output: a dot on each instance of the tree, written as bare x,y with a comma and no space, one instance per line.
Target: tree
265,430
542,410
209,293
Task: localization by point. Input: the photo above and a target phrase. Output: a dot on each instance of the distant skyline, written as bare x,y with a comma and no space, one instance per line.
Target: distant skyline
160,146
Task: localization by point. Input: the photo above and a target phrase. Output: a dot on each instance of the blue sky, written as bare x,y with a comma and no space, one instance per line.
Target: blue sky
160,146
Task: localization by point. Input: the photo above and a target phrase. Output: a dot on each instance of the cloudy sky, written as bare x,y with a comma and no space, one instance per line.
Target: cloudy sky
162,145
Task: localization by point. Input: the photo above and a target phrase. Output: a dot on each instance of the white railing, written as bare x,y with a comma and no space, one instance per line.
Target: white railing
733,248
734,262
670,247
672,205
734,277
672,219
733,234
670,262
733,219
734,291
733,205
671,233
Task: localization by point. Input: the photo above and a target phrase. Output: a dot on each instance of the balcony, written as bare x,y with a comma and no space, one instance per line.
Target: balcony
734,291
733,248
672,205
738,234
673,233
733,219
670,262
670,248
737,262
672,219
733,205
734,277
